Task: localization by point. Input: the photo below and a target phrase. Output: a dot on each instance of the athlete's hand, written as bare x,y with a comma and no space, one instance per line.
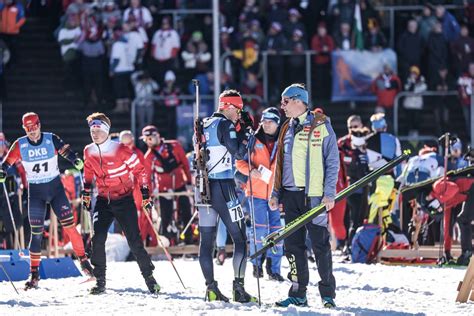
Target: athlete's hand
78,163
147,202
273,203
3,175
328,202
86,199
255,174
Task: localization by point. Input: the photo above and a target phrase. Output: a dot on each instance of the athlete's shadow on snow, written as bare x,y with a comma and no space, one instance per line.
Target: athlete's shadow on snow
13,303
373,312
174,296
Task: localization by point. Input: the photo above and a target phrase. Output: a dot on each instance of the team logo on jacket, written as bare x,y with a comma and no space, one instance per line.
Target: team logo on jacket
259,146
317,134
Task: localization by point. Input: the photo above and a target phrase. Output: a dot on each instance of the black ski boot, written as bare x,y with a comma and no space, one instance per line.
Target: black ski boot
257,272
268,265
276,277
86,266
214,294
34,280
152,285
239,293
99,287
464,258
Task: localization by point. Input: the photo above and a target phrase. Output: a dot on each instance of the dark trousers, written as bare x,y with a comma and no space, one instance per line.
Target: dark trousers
294,205
38,196
465,218
357,204
222,191
167,211
124,211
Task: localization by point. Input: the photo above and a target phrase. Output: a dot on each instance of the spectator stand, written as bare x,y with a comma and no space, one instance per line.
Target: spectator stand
393,9
404,94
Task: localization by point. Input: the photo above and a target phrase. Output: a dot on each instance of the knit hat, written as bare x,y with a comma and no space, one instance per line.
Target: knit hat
271,114
296,92
378,121
148,131
170,76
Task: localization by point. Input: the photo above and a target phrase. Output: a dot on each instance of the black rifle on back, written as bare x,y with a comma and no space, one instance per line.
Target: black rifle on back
201,155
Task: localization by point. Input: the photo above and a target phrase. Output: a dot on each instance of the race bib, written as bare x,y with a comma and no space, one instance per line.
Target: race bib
235,210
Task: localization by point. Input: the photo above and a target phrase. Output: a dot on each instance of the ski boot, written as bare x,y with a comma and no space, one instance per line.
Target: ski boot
99,288
220,258
464,258
239,293
328,302
257,271
292,300
214,294
86,266
152,285
34,280
276,277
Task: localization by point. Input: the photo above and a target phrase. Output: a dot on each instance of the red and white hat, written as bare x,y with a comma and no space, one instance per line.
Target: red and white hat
30,120
228,101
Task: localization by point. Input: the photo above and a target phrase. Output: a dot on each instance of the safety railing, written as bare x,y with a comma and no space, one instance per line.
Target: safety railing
399,96
182,12
186,98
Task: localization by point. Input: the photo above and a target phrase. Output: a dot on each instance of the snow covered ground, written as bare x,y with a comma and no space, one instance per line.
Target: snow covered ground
361,290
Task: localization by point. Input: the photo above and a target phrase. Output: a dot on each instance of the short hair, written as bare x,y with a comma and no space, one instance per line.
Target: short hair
230,93
99,116
353,118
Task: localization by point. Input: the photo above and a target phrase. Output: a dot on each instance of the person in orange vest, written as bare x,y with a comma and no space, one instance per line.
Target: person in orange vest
263,159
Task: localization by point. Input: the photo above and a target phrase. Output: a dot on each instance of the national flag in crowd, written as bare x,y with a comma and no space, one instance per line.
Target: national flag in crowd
359,39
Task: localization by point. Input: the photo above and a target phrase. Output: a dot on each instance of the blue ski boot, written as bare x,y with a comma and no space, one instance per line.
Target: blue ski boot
291,300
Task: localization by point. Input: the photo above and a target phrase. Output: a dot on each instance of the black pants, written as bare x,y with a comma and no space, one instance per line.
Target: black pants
184,211
222,191
124,211
465,218
357,205
294,205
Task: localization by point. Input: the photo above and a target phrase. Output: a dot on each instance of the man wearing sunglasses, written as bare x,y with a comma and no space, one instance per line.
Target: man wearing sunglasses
170,172
38,152
114,167
224,144
306,173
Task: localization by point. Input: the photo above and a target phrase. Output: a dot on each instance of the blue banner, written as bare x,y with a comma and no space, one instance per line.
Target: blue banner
353,72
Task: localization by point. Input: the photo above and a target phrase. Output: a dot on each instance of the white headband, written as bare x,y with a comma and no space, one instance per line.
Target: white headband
98,124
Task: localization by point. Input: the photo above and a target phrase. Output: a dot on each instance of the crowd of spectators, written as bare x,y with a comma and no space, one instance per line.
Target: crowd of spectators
104,42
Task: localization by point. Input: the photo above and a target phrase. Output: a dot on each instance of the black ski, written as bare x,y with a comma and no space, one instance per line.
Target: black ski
272,239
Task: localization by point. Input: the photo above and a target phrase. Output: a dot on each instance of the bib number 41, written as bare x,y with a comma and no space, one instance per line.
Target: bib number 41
37,168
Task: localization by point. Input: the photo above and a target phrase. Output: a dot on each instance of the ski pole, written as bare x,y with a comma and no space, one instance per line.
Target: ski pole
17,242
168,256
252,211
8,277
182,235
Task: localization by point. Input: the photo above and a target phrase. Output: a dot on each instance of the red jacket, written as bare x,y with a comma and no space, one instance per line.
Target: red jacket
165,161
12,17
114,167
386,88
317,44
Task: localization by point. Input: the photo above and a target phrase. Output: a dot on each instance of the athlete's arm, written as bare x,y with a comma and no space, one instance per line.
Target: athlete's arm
233,141
13,155
64,149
